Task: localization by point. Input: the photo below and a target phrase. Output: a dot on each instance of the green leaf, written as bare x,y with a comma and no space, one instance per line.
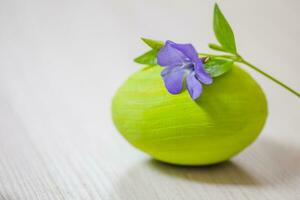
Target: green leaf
223,31
217,67
216,47
148,58
154,44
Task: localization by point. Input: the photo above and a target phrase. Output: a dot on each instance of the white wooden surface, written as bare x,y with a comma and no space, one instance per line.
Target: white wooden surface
61,62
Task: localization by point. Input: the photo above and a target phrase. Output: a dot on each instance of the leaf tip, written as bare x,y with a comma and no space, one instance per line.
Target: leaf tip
143,39
216,8
154,44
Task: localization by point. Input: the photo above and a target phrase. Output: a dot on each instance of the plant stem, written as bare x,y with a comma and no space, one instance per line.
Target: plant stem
238,58
269,76
218,56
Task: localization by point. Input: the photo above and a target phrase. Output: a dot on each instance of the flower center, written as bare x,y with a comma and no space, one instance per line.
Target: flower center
189,66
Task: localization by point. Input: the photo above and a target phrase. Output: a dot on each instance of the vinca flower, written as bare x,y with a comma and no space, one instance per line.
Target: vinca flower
181,62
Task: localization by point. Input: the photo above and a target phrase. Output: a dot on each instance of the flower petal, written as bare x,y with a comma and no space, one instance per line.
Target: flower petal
187,49
193,85
201,74
173,79
166,71
170,56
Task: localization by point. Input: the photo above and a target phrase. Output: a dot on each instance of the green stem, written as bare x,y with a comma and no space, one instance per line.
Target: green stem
238,58
269,76
218,56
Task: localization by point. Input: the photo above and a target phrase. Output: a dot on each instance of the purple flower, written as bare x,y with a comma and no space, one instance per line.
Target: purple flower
180,61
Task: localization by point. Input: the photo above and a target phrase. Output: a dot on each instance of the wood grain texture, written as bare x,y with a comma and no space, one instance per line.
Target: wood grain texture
62,61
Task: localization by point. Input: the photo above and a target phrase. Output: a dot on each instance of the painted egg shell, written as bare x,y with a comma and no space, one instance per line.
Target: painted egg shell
226,118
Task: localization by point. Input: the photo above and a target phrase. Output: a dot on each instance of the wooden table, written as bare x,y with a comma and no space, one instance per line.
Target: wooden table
61,62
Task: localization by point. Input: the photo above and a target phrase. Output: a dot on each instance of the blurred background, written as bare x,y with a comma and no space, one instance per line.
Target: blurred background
61,62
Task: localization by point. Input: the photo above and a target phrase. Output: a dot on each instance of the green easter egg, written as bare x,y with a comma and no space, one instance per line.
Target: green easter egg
226,118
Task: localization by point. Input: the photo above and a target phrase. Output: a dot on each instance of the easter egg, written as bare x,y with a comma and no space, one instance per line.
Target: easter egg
224,120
